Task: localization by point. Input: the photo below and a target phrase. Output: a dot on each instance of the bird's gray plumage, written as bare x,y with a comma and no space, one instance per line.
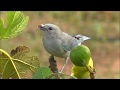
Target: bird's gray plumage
59,43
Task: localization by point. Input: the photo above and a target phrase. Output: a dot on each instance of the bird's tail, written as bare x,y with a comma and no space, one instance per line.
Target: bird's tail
81,38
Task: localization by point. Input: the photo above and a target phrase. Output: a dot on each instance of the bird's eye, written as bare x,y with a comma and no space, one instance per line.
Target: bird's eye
50,28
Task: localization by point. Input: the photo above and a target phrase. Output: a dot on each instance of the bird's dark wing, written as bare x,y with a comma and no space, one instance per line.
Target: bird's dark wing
68,41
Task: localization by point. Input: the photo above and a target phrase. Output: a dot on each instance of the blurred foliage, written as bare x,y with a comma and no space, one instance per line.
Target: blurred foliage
102,26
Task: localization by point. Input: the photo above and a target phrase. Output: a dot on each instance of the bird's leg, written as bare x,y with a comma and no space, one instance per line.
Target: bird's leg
65,62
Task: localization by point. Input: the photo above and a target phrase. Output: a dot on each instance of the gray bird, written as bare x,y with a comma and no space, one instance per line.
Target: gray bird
59,43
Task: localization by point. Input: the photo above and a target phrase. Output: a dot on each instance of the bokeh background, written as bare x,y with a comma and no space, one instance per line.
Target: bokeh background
102,26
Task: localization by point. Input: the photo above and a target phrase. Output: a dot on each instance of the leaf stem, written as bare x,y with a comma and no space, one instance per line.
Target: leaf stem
92,71
24,62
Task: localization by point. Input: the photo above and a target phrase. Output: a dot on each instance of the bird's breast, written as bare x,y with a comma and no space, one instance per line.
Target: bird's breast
53,46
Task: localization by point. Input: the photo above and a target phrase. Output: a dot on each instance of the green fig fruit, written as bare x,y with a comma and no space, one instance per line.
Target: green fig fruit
82,72
80,55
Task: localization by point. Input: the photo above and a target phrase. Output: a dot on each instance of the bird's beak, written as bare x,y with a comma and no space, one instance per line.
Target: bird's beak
41,27
85,38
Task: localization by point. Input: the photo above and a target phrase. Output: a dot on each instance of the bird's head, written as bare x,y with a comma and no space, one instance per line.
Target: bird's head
50,29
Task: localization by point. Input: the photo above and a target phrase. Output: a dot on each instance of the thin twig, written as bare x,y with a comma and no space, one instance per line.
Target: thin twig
92,74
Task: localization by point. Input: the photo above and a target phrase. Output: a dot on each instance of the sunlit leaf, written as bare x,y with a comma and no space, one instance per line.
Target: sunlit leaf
19,65
1,27
7,67
16,22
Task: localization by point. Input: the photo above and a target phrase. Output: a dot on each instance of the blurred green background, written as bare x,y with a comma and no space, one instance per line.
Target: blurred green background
102,26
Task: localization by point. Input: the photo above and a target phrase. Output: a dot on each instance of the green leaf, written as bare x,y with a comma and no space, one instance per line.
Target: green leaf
24,62
1,27
19,64
1,24
59,76
16,22
46,73
7,67
42,73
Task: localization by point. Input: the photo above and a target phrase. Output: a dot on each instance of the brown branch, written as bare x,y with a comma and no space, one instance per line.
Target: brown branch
53,64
